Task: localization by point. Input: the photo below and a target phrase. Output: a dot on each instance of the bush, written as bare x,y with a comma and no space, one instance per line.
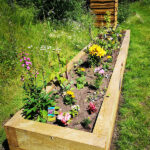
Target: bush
56,9
123,10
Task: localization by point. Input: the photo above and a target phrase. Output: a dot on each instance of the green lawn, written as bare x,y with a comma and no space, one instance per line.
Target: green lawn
134,112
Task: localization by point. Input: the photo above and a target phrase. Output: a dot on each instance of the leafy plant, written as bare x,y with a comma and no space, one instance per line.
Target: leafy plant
69,98
64,84
81,82
98,81
86,122
38,102
81,71
74,110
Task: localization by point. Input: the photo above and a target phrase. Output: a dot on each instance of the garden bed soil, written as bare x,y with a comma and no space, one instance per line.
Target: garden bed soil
82,95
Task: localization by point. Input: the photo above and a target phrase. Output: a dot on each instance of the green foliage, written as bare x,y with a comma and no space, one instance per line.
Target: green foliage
64,84
81,71
123,10
69,100
86,122
97,81
37,102
74,111
107,19
56,9
81,82
134,114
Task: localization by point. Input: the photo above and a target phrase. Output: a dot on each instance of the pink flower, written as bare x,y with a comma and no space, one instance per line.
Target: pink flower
21,60
22,65
24,58
28,58
37,73
67,116
35,76
64,121
101,71
26,54
28,68
28,63
60,116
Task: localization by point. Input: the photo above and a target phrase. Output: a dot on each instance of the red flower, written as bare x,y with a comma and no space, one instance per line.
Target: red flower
92,107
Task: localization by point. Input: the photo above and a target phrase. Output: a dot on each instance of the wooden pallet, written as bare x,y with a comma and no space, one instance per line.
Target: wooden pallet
100,7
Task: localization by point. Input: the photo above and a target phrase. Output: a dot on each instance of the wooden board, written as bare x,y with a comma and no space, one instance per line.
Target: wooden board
25,134
107,115
100,7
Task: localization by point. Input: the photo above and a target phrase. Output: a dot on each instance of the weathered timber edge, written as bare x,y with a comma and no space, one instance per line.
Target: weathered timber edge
25,134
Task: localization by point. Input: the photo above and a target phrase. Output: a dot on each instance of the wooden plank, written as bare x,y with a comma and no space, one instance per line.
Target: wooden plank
102,5
107,115
103,24
32,135
103,11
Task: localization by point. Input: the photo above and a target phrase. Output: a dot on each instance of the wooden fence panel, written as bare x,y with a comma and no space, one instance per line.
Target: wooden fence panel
100,7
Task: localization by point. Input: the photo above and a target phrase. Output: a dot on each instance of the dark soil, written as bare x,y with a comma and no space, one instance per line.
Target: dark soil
82,95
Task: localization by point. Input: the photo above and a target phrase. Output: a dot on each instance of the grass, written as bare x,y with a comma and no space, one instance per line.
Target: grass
19,31
134,114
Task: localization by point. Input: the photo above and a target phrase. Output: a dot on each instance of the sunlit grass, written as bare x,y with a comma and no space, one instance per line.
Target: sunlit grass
20,32
134,123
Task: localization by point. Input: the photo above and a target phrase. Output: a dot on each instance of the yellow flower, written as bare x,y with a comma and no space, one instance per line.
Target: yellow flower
97,51
82,69
108,57
71,94
113,42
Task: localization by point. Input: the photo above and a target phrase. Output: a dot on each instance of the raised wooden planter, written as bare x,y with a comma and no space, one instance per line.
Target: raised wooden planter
25,134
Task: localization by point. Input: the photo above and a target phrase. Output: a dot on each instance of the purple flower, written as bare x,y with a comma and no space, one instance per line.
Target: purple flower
22,65
28,58
21,60
28,63
28,68
35,75
101,71
24,58
97,69
26,54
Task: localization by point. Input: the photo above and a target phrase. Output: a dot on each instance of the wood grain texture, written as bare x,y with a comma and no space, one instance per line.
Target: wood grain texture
100,7
25,134
106,119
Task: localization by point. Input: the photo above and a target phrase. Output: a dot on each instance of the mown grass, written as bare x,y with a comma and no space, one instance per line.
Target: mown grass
134,114
19,31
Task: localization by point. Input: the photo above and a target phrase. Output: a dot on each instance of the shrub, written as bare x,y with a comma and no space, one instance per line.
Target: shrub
56,9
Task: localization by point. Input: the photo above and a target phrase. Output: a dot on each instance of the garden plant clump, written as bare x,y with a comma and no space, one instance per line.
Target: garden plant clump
78,94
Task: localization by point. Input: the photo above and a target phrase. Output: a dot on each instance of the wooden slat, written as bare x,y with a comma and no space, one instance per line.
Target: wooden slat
103,11
102,17
107,115
102,5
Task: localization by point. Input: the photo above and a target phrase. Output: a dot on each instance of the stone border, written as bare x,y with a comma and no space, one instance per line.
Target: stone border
25,134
